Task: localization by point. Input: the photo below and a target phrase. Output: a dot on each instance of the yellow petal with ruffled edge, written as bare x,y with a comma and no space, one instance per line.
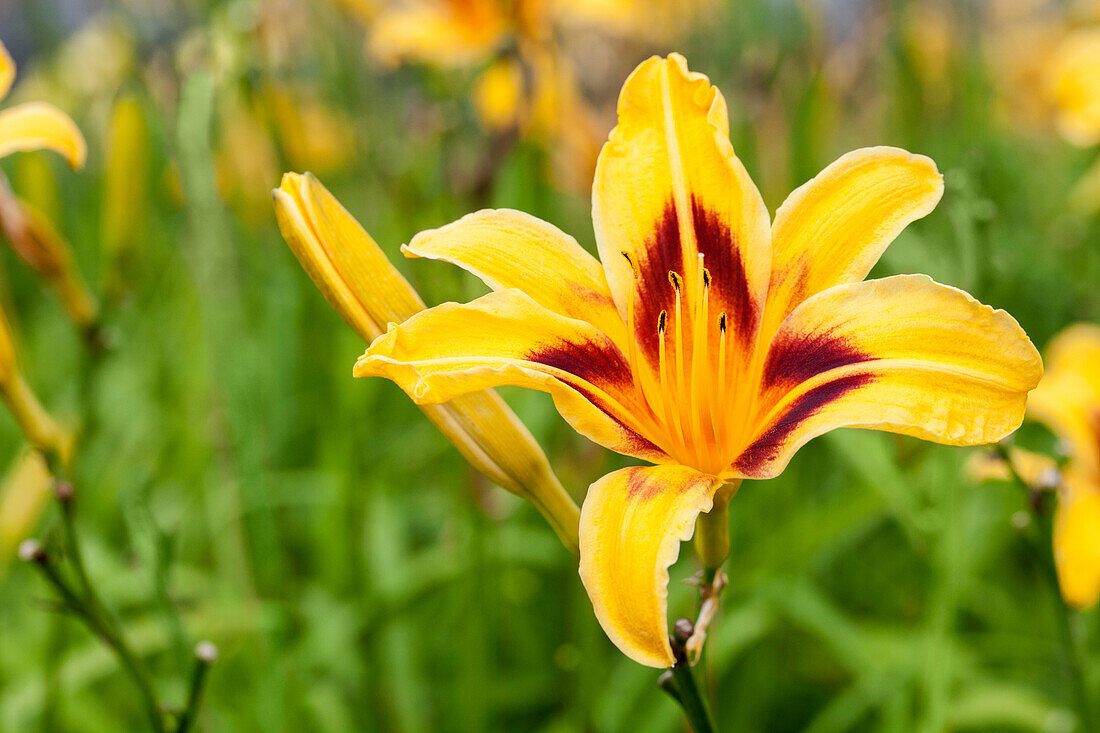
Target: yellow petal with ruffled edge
506,338
366,291
1068,398
632,524
669,188
511,249
36,125
833,229
1077,540
903,354
7,71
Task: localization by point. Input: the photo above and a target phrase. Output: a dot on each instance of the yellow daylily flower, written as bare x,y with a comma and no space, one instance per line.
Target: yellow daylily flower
1046,62
708,338
368,292
1074,86
36,125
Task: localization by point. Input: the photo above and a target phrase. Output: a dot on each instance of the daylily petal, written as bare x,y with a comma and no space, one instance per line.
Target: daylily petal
1068,398
902,354
511,249
7,71
833,229
668,187
449,34
506,338
36,125
632,524
1077,540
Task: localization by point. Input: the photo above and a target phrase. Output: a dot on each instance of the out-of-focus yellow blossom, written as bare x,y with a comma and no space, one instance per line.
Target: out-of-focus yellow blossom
1074,86
929,35
498,95
1046,61
367,291
126,183
254,129
314,136
709,338
23,494
246,161
528,85
1067,400
439,32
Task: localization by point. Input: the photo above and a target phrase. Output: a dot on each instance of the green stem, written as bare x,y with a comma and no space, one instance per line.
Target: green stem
1071,647
1042,547
692,702
205,655
712,532
100,629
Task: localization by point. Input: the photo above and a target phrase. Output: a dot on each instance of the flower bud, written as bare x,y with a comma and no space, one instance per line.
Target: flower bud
126,187
366,290
23,495
40,246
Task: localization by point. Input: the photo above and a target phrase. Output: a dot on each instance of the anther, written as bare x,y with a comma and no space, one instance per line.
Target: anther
626,257
706,278
674,279
722,322
661,319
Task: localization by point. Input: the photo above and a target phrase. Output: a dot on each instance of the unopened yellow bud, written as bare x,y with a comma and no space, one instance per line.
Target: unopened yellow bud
126,183
39,245
23,494
40,430
368,293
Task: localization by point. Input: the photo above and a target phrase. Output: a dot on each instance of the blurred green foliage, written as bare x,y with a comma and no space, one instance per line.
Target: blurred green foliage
236,483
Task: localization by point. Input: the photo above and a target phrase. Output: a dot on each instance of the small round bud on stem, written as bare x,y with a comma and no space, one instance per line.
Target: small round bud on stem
206,652
32,551
64,492
683,629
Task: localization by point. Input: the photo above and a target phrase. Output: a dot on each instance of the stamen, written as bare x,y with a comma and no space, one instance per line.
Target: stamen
702,409
668,399
720,401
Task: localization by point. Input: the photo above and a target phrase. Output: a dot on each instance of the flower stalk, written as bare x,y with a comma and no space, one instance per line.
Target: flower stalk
1041,540
680,684
205,656
79,604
